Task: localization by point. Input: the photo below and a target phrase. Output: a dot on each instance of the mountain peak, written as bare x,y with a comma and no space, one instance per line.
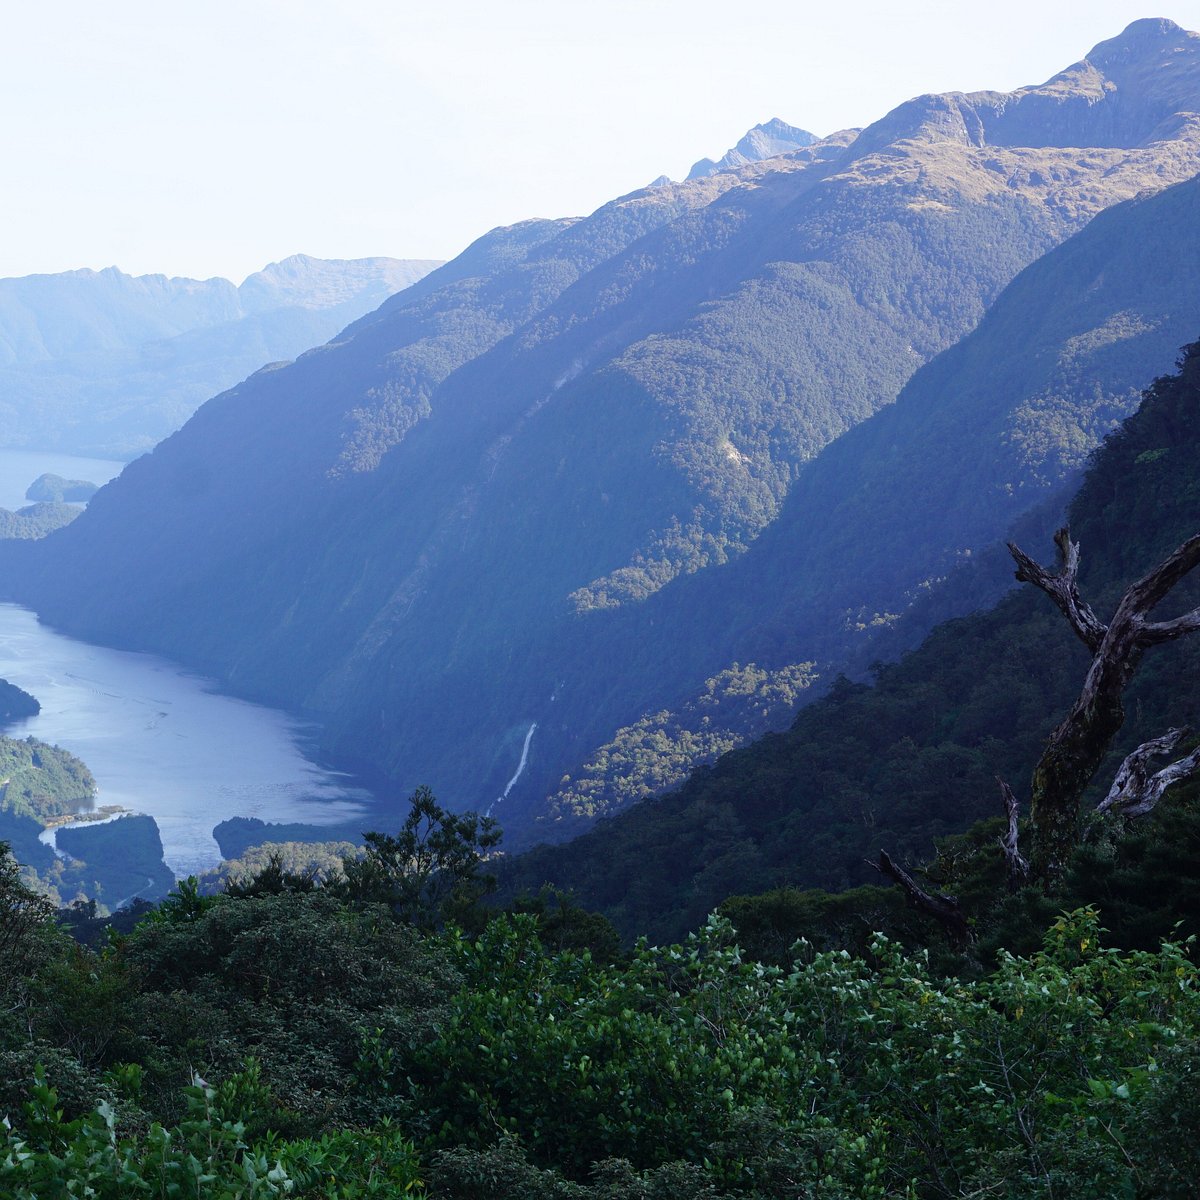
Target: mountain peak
763,141
1137,88
1149,35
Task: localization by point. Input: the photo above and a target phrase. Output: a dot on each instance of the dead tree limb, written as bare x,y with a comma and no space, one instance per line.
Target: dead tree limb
941,907
1062,587
1078,745
1018,867
1135,791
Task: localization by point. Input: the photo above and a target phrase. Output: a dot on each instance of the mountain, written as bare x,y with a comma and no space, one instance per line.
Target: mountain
103,363
1015,407
515,495
763,141
915,755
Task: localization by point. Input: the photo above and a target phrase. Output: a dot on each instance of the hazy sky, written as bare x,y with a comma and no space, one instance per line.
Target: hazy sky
211,138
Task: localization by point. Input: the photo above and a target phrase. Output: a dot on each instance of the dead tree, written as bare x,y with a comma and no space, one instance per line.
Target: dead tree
1076,748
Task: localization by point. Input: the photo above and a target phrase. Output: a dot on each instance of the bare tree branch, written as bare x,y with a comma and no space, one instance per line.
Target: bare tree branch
1167,631
1135,791
1142,596
1077,747
938,905
1062,587
1018,868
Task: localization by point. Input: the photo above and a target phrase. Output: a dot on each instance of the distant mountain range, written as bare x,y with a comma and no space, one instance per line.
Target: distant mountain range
106,364
583,475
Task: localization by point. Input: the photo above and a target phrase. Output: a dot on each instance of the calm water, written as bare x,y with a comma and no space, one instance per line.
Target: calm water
166,743
19,468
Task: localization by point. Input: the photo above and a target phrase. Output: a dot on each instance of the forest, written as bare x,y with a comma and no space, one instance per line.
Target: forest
41,781
913,755
393,1021
15,704
374,1035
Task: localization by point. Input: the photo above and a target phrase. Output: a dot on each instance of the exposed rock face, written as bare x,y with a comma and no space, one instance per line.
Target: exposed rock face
763,141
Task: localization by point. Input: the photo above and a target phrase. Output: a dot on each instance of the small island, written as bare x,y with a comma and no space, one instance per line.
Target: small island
15,704
54,489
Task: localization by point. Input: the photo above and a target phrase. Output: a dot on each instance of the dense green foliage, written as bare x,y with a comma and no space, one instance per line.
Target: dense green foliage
524,491
15,704
238,837
305,1044
319,861
308,985
430,871
660,751
841,1077
41,781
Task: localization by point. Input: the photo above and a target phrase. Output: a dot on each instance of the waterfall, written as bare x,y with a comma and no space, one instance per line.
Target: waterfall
520,768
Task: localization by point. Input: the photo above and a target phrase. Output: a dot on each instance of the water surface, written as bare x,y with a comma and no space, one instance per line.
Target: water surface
165,742
19,468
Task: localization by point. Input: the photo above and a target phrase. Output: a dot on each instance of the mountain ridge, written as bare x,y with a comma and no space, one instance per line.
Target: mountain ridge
863,530
452,499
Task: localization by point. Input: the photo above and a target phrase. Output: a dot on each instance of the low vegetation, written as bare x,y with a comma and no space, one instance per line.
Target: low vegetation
288,1039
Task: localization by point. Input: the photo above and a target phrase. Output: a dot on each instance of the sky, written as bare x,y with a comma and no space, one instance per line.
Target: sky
210,139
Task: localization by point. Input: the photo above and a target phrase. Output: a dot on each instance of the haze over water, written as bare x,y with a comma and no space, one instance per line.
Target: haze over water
166,743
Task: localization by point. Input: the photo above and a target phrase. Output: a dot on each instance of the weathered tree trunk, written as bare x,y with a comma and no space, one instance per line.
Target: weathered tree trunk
1018,867
1078,745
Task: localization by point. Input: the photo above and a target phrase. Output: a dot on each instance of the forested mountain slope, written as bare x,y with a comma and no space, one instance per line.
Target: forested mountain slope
915,756
993,428
103,363
442,520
